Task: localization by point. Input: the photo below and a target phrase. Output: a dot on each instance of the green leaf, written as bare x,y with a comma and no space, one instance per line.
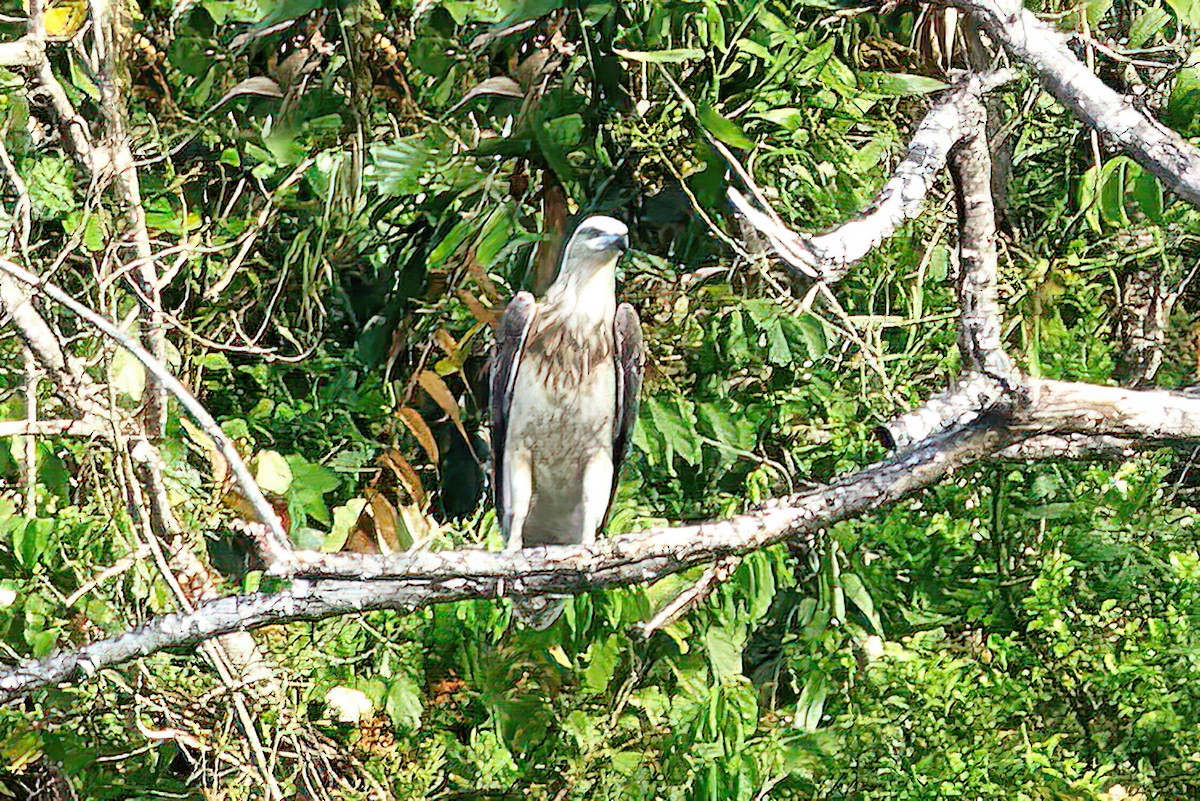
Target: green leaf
899,84
1147,25
726,424
602,657
272,472
811,331
51,185
1097,10
678,56
1183,107
404,167
1186,11
404,704
811,705
724,129
857,594
344,517
127,375
676,424
724,647
310,483
565,131
30,541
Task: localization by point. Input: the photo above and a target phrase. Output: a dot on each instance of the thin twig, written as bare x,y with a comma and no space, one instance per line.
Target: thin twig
693,596
245,479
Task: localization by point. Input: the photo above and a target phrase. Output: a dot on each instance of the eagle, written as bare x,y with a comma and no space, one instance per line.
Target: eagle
565,380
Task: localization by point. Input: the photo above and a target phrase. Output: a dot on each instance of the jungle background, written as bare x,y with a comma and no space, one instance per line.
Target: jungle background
344,197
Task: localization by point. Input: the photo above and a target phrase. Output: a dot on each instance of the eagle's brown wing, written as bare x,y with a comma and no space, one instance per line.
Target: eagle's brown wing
630,364
506,358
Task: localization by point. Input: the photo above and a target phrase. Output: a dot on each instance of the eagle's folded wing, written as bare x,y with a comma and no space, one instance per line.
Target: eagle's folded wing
510,347
631,364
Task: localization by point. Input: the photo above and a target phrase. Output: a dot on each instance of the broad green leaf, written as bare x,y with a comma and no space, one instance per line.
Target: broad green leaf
308,487
724,129
674,422
812,332
1097,10
811,705
857,594
899,84
1147,25
565,131
1186,11
29,541
724,647
404,704
1183,107
127,375
272,472
601,659
51,185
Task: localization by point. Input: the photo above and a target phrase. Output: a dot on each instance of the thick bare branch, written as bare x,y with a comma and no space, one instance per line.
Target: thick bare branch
1143,311
980,321
24,52
413,580
1065,407
829,255
971,394
1038,45
1070,446
410,581
72,127
108,31
989,375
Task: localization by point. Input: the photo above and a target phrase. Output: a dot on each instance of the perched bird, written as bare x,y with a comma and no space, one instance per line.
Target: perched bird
565,380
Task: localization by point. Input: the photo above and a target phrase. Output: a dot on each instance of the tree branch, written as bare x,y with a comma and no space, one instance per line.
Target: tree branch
245,480
1044,50
413,580
828,256
337,584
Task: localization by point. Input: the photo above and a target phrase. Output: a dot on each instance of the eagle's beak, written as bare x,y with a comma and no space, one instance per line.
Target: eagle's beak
618,242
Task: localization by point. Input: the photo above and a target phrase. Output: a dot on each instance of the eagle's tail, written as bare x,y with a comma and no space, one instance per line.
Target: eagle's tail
538,613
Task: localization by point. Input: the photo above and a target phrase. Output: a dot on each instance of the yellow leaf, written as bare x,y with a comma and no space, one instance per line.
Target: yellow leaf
273,473
63,18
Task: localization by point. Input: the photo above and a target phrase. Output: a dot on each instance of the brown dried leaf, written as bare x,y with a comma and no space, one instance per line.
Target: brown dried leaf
405,474
481,277
444,340
432,383
480,312
383,515
418,524
416,424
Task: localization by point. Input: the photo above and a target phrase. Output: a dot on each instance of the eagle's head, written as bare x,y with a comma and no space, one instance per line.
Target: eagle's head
598,242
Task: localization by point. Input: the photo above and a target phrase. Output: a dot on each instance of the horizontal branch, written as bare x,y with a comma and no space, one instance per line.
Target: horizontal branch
24,52
1070,446
972,395
48,428
1065,407
412,580
1044,50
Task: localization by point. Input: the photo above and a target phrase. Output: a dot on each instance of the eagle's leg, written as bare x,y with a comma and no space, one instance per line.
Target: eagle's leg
597,493
518,487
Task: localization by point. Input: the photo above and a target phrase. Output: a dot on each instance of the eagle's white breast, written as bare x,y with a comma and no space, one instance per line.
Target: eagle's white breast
564,412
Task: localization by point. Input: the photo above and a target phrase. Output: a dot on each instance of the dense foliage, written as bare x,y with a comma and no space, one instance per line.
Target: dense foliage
346,196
